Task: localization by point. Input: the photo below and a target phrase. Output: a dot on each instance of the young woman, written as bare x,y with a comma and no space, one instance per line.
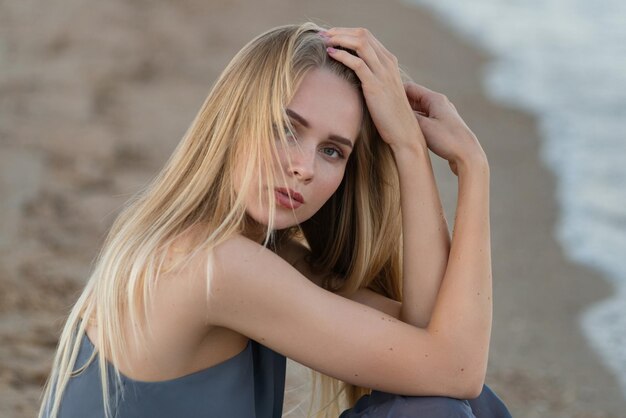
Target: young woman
298,217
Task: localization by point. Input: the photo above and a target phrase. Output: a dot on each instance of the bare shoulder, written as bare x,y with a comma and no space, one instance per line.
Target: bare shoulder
183,245
239,255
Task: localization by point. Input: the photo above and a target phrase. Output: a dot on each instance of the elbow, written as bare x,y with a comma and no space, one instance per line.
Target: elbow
462,388
465,365
473,379
470,382
476,381
471,385
472,388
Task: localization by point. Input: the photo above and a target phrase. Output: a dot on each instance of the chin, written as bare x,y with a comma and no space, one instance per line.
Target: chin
281,220
284,222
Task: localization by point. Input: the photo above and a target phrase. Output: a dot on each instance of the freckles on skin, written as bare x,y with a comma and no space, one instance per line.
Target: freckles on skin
329,114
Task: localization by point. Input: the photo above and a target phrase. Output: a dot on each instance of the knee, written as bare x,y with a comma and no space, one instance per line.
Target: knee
431,406
387,405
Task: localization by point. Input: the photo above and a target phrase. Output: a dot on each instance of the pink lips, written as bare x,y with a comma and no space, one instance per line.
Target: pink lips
288,198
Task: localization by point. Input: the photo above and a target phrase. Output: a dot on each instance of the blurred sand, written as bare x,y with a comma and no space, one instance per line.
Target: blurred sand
94,97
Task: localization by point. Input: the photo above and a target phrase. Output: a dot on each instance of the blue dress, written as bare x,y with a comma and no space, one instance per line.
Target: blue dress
249,385
387,405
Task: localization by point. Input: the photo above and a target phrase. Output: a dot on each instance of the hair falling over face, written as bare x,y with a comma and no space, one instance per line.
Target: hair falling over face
356,235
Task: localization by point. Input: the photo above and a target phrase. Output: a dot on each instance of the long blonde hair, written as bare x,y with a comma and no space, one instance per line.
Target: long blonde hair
360,240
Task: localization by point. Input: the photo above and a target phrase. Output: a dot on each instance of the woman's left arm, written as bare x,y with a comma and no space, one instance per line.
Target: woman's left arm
426,242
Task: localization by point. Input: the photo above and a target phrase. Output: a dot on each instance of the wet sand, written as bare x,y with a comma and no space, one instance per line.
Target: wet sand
94,97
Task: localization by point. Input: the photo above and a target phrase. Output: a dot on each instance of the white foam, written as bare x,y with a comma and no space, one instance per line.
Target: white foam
565,62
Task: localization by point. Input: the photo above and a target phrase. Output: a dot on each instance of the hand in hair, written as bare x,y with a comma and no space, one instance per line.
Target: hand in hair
377,68
446,133
439,126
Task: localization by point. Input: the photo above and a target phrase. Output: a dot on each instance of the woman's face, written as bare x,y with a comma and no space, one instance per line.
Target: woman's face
325,115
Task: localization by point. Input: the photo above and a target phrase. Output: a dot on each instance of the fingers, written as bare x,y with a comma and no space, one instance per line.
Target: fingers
363,33
368,48
381,81
427,101
355,63
420,97
361,46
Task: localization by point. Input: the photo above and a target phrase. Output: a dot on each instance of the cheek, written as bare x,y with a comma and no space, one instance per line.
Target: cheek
332,181
280,163
253,206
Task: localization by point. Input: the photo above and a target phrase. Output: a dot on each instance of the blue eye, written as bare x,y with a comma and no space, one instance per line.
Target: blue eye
289,134
332,152
285,128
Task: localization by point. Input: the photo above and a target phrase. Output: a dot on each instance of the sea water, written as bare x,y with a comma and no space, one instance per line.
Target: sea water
565,62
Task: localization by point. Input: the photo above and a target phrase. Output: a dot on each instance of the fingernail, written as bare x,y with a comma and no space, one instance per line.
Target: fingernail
331,50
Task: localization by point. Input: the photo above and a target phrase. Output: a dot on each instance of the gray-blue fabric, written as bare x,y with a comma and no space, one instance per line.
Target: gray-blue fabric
249,385
387,405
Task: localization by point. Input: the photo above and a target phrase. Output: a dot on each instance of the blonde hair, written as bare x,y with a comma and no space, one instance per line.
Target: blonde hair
360,240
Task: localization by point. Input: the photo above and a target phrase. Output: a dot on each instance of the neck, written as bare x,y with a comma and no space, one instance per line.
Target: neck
254,230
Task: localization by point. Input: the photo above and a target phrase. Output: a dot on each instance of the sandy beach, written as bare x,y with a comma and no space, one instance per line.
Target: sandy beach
94,97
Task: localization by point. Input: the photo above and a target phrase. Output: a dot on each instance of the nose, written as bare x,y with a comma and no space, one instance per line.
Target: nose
302,164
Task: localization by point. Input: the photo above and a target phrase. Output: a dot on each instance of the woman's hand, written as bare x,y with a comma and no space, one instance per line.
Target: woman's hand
382,85
438,126
446,133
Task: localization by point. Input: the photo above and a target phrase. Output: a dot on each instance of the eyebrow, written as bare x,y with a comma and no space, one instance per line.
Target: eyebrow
306,124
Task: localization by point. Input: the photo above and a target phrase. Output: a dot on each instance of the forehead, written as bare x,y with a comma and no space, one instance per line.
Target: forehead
329,103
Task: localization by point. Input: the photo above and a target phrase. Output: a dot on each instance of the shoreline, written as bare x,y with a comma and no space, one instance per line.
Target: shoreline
108,107
541,363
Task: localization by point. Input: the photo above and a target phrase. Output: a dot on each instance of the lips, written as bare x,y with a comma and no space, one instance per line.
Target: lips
288,198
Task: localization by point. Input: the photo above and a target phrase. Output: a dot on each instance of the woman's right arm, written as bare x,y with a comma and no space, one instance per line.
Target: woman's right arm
258,294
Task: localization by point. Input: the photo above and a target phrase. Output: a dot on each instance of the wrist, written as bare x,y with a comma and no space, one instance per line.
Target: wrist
410,149
473,163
